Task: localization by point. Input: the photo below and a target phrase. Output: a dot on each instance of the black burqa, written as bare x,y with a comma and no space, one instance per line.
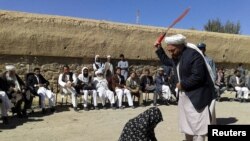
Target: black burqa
141,128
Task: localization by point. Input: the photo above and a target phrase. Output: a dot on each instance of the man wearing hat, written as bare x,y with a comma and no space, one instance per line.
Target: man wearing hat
162,88
103,90
195,85
16,90
210,61
108,71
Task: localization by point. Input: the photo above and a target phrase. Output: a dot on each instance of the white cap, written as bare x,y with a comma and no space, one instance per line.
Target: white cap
175,39
10,67
108,56
99,71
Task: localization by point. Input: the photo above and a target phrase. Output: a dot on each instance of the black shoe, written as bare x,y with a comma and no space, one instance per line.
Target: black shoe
43,111
5,121
75,109
113,107
96,108
104,107
142,105
86,109
52,109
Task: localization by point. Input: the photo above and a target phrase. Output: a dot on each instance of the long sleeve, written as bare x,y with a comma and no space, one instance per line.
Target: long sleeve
163,57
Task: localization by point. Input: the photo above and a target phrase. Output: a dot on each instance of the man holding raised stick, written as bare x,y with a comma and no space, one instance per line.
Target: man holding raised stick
195,86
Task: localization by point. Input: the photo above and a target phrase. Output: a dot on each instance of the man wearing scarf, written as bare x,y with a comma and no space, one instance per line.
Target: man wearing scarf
195,87
108,71
68,80
87,87
103,90
16,91
97,64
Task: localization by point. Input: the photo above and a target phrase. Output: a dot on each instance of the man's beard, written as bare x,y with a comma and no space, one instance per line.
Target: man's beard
85,74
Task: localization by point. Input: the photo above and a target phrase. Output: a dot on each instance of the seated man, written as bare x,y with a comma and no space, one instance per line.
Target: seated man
86,85
67,80
220,85
4,102
238,82
133,85
118,85
147,84
39,85
162,88
16,91
103,91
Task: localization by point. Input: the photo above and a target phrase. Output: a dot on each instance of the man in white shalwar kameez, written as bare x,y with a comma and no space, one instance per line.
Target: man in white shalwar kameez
195,86
104,92
87,87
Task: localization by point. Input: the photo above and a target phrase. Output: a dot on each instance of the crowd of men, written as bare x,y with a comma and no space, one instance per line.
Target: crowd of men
109,85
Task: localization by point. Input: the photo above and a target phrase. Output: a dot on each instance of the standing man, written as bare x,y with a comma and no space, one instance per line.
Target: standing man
108,71
68,80
195,86
123,64
97,64
210,61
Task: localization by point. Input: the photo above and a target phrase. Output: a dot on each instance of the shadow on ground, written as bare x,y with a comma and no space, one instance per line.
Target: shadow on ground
226,121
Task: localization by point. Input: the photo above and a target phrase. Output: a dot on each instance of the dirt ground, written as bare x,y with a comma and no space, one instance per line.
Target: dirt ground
106,125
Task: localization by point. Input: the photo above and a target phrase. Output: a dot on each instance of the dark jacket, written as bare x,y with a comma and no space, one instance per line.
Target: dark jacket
146,80
117,83
159,81
32,81
195,79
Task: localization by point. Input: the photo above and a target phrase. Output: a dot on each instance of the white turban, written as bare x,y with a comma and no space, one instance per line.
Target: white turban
108,56
99,71
175,39
10,67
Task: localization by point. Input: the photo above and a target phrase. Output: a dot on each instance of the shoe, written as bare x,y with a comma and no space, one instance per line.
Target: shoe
104,107
121,108
52,109
133,107
75,109
113,107
86,109
142,105
96,108
43,111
